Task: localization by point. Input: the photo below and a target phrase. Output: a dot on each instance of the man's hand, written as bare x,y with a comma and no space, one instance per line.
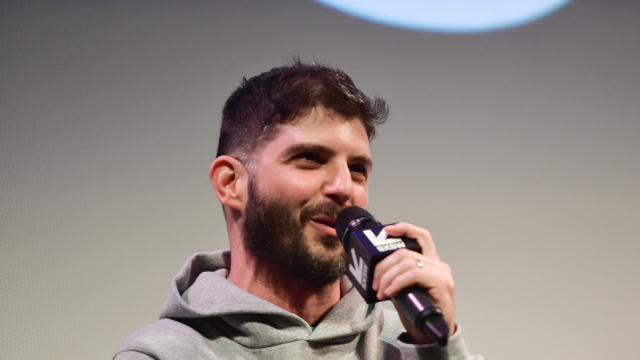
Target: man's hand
400,270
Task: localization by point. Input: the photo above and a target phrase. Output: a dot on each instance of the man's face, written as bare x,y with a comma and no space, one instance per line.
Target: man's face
315,167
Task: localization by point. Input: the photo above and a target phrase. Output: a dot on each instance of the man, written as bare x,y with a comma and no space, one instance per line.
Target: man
293,152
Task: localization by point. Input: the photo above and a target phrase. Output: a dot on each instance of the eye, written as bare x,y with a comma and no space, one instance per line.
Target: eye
359,170
310,157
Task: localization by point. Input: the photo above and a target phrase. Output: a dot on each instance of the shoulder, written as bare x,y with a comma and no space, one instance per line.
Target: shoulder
163,339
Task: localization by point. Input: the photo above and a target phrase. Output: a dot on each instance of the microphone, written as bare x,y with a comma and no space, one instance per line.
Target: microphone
366,243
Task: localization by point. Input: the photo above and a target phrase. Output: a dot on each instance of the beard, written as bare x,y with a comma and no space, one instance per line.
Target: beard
275,238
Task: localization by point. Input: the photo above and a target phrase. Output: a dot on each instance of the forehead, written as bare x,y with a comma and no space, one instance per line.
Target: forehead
323,127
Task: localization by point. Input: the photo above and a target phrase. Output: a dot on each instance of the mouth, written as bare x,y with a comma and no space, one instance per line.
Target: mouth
326,224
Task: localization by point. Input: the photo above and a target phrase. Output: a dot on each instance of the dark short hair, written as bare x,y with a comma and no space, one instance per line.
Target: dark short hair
253,112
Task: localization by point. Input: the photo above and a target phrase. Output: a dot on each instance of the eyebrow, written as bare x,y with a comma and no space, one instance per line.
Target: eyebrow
317,148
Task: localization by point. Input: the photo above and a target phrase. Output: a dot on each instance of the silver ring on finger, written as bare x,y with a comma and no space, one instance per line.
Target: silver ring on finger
419,263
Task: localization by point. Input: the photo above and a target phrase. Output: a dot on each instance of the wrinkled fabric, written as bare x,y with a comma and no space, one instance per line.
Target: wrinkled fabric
207,317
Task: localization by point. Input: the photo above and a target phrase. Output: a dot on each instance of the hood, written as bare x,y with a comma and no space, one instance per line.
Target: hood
201,291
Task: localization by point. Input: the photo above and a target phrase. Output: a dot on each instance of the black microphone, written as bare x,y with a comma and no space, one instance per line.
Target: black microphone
366,242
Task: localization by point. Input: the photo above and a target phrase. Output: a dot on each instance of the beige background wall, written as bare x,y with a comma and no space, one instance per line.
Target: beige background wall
517,149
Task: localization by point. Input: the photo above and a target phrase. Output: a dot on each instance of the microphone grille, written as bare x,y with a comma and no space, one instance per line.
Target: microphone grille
346,216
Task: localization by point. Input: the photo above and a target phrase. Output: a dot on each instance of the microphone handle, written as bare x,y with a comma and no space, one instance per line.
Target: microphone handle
419,307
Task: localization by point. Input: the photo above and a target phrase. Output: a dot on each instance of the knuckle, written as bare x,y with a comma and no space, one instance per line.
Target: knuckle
416,272
451,285
404,252
408,262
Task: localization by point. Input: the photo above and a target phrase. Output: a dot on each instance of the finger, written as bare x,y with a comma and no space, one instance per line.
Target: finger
422,236
437,279
388,262
440,287
404,265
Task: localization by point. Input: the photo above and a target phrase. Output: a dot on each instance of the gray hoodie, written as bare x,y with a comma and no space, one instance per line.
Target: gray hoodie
207,317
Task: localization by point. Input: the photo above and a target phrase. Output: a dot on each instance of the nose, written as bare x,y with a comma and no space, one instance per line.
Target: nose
339,185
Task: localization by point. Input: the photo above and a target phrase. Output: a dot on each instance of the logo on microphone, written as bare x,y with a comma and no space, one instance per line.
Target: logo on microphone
358,269
381,242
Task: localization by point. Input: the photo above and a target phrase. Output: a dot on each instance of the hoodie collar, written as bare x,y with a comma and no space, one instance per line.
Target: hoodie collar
201,290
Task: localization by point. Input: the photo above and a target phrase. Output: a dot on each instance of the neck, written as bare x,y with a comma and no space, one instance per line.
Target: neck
296,297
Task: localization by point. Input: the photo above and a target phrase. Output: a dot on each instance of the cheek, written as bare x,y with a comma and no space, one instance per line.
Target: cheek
361,197
294,185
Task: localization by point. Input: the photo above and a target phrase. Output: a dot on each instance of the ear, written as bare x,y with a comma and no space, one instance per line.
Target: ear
229,179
